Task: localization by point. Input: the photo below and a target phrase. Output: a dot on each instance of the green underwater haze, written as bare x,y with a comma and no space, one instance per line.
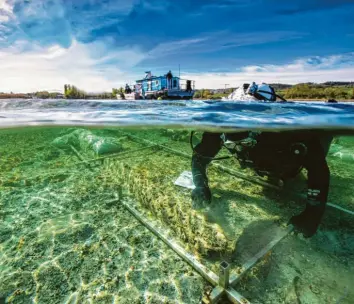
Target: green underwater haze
65,236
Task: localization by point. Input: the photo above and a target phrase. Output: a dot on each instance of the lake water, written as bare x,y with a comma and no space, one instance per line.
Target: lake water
69,169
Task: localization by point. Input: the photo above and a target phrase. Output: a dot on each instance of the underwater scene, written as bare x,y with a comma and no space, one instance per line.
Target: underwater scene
104,214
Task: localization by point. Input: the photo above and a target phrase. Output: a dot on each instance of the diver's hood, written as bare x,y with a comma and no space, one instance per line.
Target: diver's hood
253,92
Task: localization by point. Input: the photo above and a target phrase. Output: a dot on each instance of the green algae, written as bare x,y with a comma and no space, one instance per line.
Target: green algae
52,285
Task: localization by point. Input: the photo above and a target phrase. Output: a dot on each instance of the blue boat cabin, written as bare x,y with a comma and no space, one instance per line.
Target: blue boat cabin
165,87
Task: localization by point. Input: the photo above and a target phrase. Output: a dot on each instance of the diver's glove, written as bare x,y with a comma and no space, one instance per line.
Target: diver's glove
307,222
201,197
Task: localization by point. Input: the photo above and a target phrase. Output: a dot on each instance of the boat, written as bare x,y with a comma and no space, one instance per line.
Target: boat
166,87
129,96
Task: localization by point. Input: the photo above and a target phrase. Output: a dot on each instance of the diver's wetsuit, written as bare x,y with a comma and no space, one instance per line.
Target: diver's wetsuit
281,155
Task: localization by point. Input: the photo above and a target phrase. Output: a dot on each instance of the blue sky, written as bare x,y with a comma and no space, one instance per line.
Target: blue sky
102,44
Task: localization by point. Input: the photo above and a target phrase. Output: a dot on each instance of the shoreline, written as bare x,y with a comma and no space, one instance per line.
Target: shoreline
322,100
290,99
294,99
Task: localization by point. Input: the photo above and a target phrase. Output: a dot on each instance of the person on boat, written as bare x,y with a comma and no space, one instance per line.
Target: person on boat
169,77
127,90
278,155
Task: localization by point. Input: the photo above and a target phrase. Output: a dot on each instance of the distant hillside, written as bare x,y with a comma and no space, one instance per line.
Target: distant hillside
280,86
336,84
343,91
328,90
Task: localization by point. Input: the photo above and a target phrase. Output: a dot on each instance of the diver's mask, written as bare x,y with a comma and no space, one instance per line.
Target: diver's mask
236,147
252,89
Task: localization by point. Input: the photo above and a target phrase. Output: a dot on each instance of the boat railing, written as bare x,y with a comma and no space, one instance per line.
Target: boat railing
183,85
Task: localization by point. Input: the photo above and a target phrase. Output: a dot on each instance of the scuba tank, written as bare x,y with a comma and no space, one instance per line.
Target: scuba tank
276,159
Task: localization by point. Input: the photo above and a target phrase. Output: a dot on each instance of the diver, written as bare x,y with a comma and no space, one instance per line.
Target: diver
278,155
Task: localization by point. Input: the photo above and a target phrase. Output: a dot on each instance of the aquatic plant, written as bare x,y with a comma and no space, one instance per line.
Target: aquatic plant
148,184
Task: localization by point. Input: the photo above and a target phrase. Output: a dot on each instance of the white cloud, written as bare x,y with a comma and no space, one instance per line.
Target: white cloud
216,41
50,68
4,18
173,47
5,10
313,69
6,6
58,21
154,6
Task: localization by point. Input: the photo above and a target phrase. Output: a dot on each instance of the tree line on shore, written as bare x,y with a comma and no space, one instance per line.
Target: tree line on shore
209,94
70,92
308,91
40,95
299,91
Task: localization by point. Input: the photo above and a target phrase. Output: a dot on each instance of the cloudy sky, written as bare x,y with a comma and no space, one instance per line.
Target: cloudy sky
100,44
